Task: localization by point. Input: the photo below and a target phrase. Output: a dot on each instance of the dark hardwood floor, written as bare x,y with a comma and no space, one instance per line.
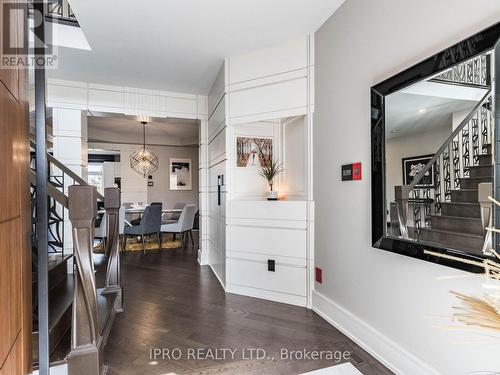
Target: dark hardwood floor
174,305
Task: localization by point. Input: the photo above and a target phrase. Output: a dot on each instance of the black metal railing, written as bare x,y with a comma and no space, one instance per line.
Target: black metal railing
423,197
474,71
57,11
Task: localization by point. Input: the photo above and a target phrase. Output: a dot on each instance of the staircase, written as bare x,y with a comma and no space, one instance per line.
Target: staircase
71,313
448,213
459,225
61,289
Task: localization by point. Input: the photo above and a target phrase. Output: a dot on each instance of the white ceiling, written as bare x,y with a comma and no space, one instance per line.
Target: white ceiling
124,129
427,105
179,45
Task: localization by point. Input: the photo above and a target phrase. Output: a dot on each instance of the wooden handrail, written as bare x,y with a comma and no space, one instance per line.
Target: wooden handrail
77,179
446,143
51,190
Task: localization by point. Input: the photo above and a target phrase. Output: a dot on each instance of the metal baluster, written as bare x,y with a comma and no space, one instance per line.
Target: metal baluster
447,174
475,139
456,162
437,184
465,152
417,215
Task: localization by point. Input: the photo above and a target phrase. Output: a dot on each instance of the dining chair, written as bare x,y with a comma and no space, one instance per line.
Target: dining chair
184,225
121,226
100,232
174,216
149,225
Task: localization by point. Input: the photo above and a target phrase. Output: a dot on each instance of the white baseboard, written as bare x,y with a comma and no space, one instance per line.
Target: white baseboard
202,257
389,353
217,277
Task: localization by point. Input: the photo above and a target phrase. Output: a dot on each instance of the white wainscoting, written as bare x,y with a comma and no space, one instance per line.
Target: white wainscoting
258,231
124,100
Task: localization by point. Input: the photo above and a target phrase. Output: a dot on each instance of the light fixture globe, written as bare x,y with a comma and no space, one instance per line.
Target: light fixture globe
143,161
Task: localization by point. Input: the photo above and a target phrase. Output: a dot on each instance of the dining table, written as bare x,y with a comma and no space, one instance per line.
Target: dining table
136,209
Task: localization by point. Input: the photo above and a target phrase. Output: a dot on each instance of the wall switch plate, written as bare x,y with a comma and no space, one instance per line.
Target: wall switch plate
319,275
271,265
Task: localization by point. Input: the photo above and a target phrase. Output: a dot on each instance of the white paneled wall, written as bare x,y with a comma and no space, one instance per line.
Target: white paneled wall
259,231
216,150
124,100
271,83
268,95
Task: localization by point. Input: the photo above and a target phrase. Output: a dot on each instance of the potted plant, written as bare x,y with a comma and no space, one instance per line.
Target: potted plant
269,171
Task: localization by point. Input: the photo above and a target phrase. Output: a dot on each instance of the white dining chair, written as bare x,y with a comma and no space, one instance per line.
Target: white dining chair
121,226
100,232
184,225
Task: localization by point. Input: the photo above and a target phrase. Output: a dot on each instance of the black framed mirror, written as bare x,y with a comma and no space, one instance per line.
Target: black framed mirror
435,149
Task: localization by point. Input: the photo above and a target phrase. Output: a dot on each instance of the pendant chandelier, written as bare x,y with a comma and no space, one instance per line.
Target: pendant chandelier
143,161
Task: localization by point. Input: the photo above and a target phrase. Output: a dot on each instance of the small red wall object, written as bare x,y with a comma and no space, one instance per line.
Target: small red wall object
319,275
356,171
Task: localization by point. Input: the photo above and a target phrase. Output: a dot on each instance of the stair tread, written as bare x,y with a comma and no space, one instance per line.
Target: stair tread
457,217
453,233
58,259
461,203
62,301
476,178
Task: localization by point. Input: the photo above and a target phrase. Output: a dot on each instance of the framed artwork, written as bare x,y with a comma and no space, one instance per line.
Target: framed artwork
180,174
253,152
412,167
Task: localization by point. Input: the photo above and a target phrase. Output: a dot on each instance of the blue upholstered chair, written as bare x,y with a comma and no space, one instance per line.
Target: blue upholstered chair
150,225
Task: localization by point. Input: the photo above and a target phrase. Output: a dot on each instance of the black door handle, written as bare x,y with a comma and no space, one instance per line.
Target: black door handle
218,189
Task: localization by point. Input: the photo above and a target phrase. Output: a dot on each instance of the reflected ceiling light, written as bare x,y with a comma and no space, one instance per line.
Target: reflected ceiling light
143,161
422,110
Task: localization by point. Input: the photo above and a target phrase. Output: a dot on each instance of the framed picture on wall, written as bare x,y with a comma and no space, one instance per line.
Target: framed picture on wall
253,152
413,166
180,174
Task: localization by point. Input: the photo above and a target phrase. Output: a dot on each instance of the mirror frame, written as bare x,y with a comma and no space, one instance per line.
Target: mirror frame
477,44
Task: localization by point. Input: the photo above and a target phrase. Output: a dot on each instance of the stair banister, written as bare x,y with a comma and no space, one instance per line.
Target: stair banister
452,136
77,179
402,201
113,273
85,355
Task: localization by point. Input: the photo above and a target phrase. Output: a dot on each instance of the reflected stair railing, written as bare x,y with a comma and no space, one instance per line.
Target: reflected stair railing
461,150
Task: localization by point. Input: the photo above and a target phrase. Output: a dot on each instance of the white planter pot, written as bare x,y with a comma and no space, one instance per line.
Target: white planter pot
272,195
